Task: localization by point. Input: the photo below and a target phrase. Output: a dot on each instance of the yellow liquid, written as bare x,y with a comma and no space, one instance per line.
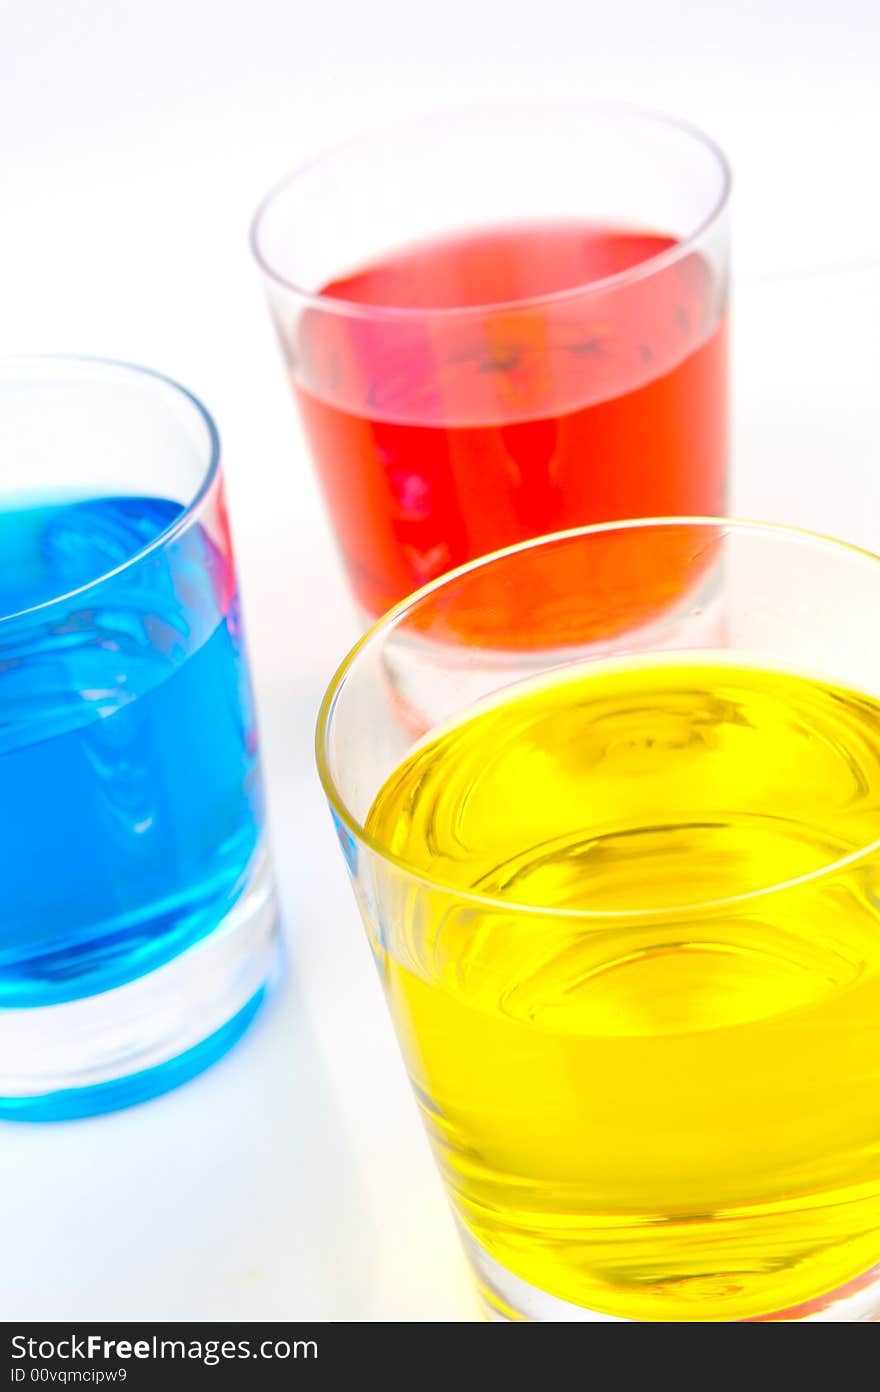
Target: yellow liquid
662,1115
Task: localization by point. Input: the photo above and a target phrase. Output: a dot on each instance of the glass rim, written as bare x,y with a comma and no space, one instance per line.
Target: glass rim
390,620
31,367
660,261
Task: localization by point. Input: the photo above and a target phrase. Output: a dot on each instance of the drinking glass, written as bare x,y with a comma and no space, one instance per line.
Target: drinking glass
138,928
620,874
501,324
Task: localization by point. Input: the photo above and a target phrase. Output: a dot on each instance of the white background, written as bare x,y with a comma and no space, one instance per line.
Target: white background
292,1181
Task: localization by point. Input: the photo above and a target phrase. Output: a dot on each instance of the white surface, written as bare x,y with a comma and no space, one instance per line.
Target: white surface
293,1181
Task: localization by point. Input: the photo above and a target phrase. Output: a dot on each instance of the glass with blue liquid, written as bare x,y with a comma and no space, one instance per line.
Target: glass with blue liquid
138,919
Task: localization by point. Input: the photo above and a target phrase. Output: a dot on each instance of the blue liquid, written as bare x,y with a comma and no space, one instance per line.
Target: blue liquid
131,802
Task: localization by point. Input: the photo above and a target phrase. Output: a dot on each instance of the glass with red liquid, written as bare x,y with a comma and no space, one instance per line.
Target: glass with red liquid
502,325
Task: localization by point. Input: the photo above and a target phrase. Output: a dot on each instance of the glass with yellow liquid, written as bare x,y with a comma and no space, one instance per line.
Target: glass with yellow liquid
622,884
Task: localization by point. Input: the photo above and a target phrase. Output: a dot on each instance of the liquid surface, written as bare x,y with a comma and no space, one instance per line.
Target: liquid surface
662,1116
439,439
128,757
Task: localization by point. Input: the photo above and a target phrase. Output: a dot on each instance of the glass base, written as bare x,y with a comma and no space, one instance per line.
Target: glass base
508,1299
125,1045
418,668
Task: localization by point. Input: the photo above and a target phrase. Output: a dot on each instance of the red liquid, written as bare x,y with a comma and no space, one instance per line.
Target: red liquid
440,437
